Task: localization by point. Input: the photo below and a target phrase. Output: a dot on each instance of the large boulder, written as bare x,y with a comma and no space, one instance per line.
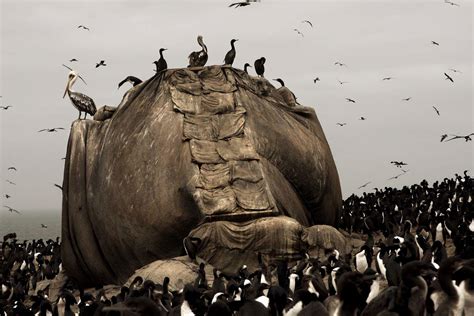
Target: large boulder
188,147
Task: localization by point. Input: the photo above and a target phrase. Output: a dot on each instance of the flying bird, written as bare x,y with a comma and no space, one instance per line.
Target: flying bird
350,100
342,82
306,21
398,164
161,63
230,56
101,63
71,60
12,183
5,107
44,226
398,175
339,64
7,196
11,210
364,185
341,124
80,101
297,31
448,77
316,79
239,4
83,27
466,137
437,112
407,99
58,186
12,168
455,70
435,43
451,3
362,118
387,78
198,58
50,130
133,80
443,137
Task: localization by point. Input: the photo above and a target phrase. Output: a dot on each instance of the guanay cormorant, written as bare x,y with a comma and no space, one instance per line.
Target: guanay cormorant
161,63
199,58
230,56
81,102
259,66
133,80
246,66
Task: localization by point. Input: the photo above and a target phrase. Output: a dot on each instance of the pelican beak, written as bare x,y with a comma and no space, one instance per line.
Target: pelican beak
65,91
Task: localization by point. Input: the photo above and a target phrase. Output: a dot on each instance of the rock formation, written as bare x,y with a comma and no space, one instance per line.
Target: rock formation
211,152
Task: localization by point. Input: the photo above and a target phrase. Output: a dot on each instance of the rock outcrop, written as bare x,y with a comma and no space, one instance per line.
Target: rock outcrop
187,149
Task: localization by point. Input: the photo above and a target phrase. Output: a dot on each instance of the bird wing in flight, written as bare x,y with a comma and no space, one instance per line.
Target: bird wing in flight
306,21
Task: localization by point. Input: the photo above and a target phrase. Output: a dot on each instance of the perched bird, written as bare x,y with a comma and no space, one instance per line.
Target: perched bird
362,118
297,31
10,182
407,99
448,77
350,100
398,164
316,79
443,137
387,78
5,107
80,101
466,137
101,63
71,60
230,56
286,93
437,112
199,58
161,63
133,80
339,64
83,27
364,185
58,186
44,226
435,43
341,124
246,66
306,21
342,82
12,168
239,4
11,210
259,65
50,130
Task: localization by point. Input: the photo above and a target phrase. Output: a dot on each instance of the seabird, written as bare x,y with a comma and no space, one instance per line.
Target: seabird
398,175
350,100
133,80
58,186
161,63
339,64
44,226
443,137
306,21
451,3
448,77
407,99
364,185
50,130
80,101
455,70
246,66
297,31
12,183
260,66
230,56
287,95
83,27
5,107
199,58
7,196
341,124
398,164
316,79
435,43
101,63
239,4
362,118
466,137
342,82
11,210
437,112
71,60
387,78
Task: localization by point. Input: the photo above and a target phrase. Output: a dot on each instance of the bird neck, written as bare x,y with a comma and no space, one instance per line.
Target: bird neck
232,45
161,54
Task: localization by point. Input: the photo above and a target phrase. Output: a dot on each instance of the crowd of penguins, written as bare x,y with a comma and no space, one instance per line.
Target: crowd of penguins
416,258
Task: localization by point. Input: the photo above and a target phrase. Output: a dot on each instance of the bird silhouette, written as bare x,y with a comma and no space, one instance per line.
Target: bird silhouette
83,27
407,99
341,124
71,60
239,4
306,21
364,185
362,118
387,78
455,70
50,130
5,107
443,137
316,79
230,56
451,3
44,226
58,186
101,63
342,82
340,64
466,137
398,175
161,63
448,77
12,168
437,111
350,100
297,31
246,66
435,43
11,210
398,164
133,80
259,65
7,196
12,183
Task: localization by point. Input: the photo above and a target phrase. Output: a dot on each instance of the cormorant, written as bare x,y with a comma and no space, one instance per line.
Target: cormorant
101,63
133,80
259,66
230,56
287,95
81,102
199,58
246,66
161,63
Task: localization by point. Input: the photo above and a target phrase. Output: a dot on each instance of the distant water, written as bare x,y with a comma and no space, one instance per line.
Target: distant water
27,225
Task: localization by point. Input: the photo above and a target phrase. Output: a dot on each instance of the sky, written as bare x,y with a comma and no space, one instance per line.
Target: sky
375,39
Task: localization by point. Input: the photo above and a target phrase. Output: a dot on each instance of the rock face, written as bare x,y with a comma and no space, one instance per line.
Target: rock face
186,149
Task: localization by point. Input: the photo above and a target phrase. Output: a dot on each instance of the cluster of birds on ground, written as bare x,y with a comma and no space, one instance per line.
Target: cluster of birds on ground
405,266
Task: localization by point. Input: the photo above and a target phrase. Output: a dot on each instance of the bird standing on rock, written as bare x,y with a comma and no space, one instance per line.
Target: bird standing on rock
259,66
161,63
199,58
81,102
230,56
246,66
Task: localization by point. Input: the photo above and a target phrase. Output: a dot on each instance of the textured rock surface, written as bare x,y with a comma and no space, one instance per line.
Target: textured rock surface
184,148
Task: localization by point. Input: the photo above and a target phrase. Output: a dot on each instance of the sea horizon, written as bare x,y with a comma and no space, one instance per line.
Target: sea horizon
27,224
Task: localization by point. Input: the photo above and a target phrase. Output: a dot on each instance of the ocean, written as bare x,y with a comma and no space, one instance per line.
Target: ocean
27,225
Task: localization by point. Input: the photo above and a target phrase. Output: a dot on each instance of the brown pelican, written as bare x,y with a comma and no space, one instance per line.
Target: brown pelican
199,58
230,56
133,80
161,63
246,66
81,102
259,66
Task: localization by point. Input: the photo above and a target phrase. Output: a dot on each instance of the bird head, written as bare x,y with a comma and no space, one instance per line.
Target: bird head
247,65
280,81
233,41
263,60
70,81
163,49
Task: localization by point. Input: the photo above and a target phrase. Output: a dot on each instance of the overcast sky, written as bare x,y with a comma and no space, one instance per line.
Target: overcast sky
376,39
